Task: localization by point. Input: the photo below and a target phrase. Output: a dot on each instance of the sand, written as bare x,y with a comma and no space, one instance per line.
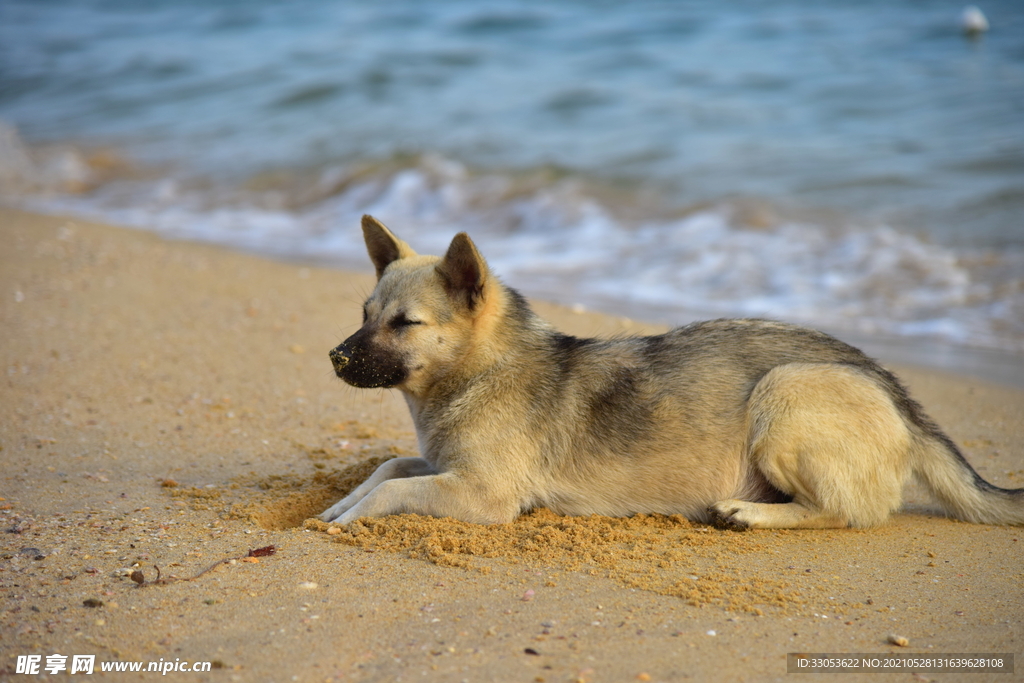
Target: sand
168,407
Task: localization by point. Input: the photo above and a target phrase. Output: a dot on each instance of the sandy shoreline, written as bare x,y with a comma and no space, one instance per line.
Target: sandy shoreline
171,404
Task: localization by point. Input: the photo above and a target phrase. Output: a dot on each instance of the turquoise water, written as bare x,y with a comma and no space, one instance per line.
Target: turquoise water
858,166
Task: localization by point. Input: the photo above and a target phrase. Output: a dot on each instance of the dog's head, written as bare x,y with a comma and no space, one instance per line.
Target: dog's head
421,319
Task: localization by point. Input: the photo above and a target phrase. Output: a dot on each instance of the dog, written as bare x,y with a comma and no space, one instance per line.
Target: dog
742,423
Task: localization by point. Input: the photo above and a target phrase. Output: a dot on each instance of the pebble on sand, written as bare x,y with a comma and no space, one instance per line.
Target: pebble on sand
894,639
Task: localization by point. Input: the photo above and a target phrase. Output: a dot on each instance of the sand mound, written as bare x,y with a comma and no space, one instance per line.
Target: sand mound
286,501
664,554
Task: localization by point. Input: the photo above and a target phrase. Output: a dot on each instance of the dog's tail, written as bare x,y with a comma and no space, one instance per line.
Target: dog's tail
954,483
940,465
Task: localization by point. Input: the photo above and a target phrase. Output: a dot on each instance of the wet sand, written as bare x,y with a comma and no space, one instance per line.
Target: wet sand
170,405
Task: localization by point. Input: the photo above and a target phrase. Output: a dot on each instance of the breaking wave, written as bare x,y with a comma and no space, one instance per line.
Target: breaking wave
567,238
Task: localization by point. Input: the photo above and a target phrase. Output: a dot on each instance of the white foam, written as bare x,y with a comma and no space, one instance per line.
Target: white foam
559,242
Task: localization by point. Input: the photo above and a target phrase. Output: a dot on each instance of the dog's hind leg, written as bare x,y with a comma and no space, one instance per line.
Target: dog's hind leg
743,514
829,436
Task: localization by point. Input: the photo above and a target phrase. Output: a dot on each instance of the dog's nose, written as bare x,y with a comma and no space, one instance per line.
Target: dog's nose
340,357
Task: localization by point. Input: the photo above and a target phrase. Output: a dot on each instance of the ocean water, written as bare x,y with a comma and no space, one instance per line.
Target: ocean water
858,167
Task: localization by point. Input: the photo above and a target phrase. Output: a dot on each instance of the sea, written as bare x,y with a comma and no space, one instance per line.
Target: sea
857,167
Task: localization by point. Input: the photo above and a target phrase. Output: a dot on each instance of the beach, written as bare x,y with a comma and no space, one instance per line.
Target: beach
169,407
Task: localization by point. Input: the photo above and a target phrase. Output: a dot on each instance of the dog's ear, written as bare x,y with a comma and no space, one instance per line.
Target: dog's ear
463,271
382,245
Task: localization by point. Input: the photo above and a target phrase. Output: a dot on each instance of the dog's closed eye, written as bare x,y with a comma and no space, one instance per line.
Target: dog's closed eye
401,320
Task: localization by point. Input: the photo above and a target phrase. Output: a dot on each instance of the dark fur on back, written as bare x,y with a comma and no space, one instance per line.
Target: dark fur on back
693,352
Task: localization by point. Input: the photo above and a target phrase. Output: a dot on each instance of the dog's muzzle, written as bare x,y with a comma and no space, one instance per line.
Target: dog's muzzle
366,365
340,357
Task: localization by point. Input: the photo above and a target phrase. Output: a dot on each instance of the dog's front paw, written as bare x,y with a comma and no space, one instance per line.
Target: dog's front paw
730,514
334,512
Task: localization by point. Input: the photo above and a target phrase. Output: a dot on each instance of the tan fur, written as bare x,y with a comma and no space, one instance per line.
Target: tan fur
749,423
832,439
